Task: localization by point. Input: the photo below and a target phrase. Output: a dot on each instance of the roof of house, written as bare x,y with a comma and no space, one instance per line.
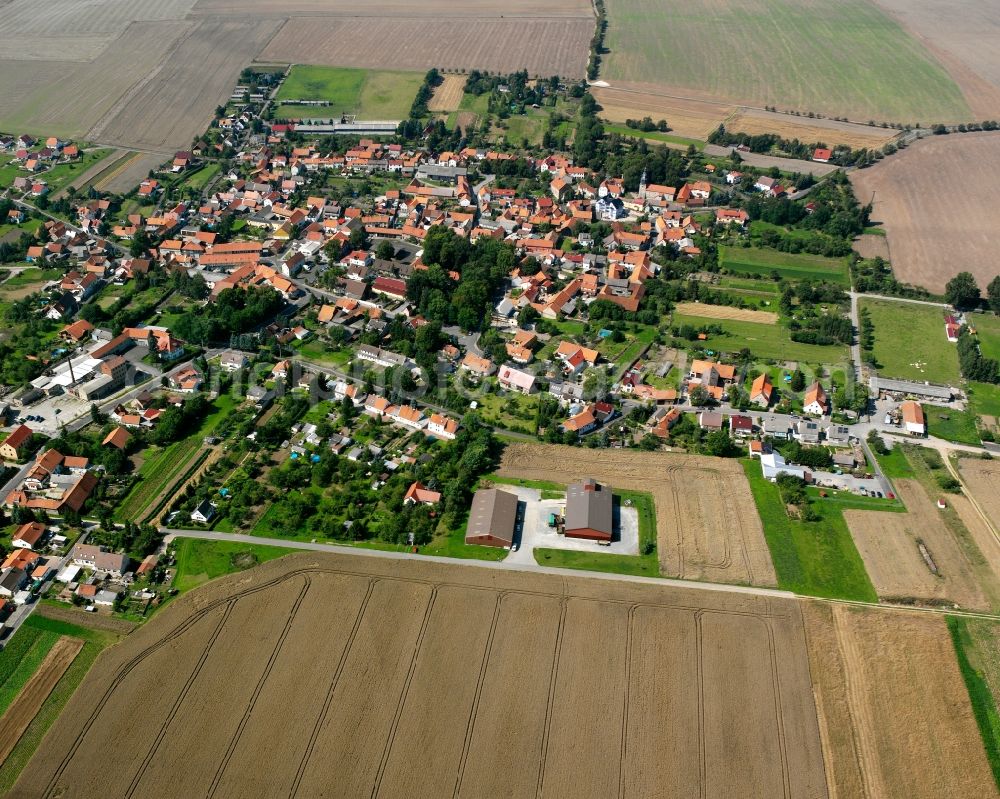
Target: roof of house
815,393
912,412
494,513
30,533
418,493
762,385
119,437
18,437
589,505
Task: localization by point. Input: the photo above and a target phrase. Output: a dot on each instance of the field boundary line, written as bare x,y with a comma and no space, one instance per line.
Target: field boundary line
311,744
265,674
175,708
474,711
387,749
623,754
779,715
553,675
699,666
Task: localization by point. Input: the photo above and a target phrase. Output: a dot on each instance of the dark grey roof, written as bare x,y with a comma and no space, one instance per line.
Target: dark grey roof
494,513
589,505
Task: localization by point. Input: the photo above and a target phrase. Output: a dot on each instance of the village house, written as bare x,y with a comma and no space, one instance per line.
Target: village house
761,391
416,494
815,401
15,445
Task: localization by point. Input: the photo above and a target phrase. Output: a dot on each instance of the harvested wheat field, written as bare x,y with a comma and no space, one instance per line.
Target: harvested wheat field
35,691
908,187
555,46
945,570
706,521
726,312
686,116
828,131
448,95
982,479
872,245
402,678
894,713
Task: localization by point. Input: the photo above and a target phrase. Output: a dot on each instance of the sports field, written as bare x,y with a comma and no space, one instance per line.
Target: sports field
792,266
370,94
839,59
923,353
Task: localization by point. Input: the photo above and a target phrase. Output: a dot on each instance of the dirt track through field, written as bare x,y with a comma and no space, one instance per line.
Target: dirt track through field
893,710
35,691
726,312
402,678
706,520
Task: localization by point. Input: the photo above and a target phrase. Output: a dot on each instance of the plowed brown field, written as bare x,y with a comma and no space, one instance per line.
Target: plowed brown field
908,187
329,675
706,520
888,543
894,714
544,47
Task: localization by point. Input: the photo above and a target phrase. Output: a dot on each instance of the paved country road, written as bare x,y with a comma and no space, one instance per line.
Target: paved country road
208,535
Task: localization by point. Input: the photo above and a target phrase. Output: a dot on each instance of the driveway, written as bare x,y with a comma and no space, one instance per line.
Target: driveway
533,530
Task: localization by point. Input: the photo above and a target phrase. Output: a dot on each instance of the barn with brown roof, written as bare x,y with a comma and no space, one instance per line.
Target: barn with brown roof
492,519
589,511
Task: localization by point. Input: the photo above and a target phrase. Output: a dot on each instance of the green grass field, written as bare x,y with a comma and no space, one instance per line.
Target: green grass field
988,329
923,353
841,59
812,558
20,659
952,425
759,261
63,175
370,94
95,641
977,648
984,399
653,136
895,465
765,341
199,561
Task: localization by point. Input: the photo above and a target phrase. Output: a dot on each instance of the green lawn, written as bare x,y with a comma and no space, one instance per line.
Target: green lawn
370,94
841,59
910,342
95,641
984,398
32,274
653,136
63,175
199,561
812,558
198,180
977,648
762,261
895,465
988,330
765,341
952,425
